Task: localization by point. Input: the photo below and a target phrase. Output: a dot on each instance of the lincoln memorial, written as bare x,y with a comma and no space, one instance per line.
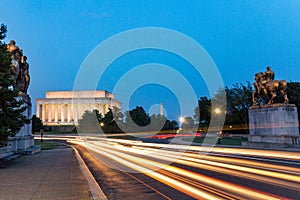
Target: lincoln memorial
67,107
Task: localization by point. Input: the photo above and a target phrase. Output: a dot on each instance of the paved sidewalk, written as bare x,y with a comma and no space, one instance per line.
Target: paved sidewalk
52,174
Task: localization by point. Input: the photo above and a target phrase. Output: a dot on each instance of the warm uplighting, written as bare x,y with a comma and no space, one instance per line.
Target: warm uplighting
181,119
217,111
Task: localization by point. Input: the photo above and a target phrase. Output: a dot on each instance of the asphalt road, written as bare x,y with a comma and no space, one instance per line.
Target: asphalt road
136,170
118,184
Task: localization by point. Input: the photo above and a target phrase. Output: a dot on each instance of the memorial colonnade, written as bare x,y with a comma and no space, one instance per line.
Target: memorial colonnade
68,111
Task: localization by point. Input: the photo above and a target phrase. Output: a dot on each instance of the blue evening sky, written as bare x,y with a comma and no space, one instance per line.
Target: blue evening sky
242,37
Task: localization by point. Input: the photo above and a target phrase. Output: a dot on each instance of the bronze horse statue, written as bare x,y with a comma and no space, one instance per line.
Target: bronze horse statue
266,91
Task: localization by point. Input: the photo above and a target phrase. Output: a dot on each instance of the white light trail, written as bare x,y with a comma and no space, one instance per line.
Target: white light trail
151,160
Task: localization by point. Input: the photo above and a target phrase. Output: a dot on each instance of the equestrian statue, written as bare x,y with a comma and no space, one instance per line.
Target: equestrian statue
266,88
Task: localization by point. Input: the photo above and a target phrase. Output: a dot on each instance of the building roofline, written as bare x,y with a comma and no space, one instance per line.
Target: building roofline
76,91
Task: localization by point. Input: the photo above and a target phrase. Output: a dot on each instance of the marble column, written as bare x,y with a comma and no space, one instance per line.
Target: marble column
105,108
38,106
69,112
75,113
49,112
44,112
55,112
79,111
62,115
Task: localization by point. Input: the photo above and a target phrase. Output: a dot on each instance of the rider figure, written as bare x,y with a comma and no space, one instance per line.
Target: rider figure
267,77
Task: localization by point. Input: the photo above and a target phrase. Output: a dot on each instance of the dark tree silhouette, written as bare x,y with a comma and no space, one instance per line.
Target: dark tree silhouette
11,106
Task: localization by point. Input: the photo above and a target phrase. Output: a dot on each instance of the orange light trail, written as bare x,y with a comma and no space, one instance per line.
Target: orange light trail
152,161
212,149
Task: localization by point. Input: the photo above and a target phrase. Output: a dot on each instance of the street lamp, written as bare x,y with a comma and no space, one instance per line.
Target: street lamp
181,119
219,132
217,110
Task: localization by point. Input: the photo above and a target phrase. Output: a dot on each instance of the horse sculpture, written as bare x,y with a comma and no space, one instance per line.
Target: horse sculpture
266,91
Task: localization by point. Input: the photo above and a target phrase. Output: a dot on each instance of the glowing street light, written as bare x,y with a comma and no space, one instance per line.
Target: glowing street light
101,124
181,119
219,132
217,111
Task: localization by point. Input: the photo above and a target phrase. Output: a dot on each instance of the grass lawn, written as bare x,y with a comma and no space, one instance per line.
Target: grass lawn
225,140
46,145
56,133
233,140
124,136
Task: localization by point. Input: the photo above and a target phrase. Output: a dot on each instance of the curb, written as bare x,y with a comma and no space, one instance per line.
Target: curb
8,158
94,188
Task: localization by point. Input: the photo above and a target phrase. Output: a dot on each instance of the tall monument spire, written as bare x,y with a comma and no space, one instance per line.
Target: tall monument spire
161,111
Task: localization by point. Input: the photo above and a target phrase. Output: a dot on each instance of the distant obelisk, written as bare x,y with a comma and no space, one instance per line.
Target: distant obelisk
161,110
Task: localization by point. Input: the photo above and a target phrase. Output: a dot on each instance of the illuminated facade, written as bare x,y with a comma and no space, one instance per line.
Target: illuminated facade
67,107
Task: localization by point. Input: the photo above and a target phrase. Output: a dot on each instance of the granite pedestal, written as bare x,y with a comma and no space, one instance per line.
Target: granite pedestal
24,139
274,125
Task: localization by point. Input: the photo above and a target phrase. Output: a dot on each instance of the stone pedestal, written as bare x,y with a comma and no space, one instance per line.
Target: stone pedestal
273,125
24,139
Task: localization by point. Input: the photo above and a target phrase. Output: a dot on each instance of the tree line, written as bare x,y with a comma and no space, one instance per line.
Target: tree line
238,99
136,120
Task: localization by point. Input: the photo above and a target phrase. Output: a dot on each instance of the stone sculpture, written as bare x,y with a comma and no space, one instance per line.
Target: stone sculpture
19,70
19,73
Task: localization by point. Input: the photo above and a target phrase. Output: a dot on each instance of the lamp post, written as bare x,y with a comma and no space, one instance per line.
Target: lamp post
181,120
218,111
199,118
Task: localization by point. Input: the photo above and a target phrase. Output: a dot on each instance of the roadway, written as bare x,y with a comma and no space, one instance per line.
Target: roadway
135,170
